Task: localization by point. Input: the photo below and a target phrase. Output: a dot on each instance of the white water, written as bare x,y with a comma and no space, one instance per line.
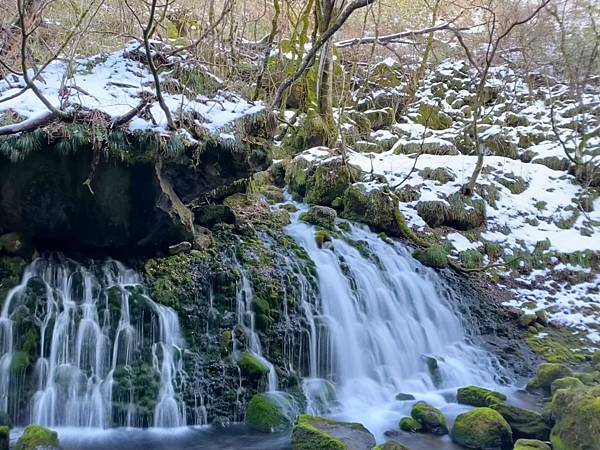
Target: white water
385,317
74,370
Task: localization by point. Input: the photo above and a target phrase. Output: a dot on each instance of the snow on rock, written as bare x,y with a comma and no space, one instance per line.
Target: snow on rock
114,83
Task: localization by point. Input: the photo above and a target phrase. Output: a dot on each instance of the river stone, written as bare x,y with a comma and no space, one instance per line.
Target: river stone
523,422
530,444
478,396
577,415
546,374
321,216
430,418
265,414
35,437
391,445
482,429
313,432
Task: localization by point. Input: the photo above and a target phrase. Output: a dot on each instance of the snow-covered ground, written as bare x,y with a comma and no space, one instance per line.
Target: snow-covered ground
114,83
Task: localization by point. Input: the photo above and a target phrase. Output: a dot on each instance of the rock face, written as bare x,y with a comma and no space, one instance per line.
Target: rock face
482,429
121,199
312,432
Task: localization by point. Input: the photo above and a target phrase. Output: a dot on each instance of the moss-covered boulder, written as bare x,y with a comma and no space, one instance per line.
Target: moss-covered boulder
498,145
482,429
530,444
546,374
577,416
380,118
565,383
321,216
313,432
478,396
434,256
322,237
251,366
524,422
391,445
410,425
266,414
459,212
440,174
329,181
35,437
433,117
431,418
377,207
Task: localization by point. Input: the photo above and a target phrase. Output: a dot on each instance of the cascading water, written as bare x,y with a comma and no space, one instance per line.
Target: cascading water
390,331
86,334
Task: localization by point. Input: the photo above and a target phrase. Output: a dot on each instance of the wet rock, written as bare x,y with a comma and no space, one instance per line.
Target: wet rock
403,397
313,432
547,373
180,248
523,422
265,414
482,429
530,444
321,216
15,244
431,418
35,437
478,396
410,425
577,416
391,445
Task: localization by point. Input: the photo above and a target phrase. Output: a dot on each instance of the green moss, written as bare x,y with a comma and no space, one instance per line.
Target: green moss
577,415
515,184
556,349
565,383
433,118
265,414
432,419
482,429
524,422
478,396
321,216
471,259
390,445
11,269
35,436
329,181
19,362
440,174
434,256
411,425
547,373
169,277
308,436
251,366
530,444
321,237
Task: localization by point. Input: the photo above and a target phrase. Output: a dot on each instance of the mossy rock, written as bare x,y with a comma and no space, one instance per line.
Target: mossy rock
404,397
547,373
426,147
329,181
499,145
35,437
431,418
515,184
321,216
313,432
482,429
530,444
11,270
434,256
441,174
433,212
381,118
265,414
596,358
251,366
296,175
524,422
577,416
514,120
432,117
460,212
565,383
553,162
410,425
478,396
322,237
377,208
391,445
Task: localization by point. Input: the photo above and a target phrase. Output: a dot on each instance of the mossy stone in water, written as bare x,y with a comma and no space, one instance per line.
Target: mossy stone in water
411,425
313,432
35,437
321,216
482,429
530,444
251,366
524,422
4,437
431,418
403,397
391,445
321,237
264,414
478,396
565,383
329,181
547,373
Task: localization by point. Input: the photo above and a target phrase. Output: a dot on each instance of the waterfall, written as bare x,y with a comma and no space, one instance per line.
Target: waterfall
246,320
391,330
86,334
